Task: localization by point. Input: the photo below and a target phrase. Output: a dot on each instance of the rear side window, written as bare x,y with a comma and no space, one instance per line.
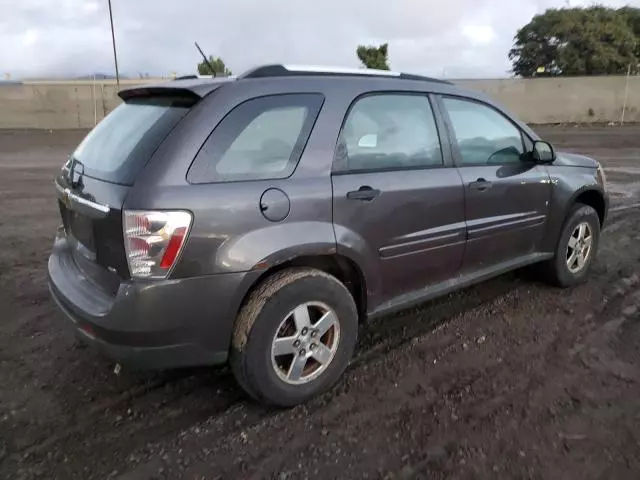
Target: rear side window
262,138
389,131
121,144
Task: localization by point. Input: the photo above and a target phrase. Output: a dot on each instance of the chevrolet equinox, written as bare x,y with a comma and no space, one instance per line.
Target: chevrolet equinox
261,220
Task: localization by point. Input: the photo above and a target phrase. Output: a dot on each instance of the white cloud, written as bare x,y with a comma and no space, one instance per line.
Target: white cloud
90,7
457,38
479,34
30,37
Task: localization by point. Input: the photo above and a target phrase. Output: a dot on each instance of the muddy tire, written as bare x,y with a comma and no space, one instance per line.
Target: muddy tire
576,249
294,337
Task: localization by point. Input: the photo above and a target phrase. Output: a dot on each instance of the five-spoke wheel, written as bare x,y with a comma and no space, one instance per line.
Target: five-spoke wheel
579,247
576,248
305,343
294,336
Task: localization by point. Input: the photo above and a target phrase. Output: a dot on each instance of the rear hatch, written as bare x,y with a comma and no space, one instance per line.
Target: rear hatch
94,182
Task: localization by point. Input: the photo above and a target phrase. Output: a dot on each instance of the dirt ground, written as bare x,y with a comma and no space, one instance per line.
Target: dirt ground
508,379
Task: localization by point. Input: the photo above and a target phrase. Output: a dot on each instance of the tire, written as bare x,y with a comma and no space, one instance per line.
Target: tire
269,312
558,270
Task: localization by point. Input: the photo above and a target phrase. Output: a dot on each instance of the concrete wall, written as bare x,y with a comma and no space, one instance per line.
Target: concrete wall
565,100
56,105
79,104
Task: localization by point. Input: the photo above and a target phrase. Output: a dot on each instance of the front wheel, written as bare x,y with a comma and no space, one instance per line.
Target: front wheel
294,337
577,247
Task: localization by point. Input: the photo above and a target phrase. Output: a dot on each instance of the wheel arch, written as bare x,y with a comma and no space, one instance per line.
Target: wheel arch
592,197
343,268
564,198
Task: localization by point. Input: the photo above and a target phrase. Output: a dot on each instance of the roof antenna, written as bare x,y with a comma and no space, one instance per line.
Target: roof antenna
206,59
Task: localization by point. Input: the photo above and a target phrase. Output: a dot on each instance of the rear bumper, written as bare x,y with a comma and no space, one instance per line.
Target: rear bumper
146,357
159,324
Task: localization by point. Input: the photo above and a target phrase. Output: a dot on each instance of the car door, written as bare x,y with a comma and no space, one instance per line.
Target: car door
506,193
397,201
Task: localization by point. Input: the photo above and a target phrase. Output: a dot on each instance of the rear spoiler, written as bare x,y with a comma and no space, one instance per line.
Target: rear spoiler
187,89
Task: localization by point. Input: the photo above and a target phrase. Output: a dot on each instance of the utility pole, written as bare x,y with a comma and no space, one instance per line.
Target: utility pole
113,40
626,95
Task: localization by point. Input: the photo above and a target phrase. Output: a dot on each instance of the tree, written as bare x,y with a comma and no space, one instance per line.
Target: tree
576,41
219,68
632,16
374,57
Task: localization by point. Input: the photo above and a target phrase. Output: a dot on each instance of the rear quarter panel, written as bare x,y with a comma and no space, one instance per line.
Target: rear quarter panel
229,233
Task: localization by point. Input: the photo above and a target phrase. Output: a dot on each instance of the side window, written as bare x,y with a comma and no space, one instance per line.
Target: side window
389,131
262,138
484,136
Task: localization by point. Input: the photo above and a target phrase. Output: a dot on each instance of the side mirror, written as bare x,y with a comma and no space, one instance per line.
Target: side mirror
368,141
543,152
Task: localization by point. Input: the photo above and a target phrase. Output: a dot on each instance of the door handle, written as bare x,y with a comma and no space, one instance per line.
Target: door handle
365,193
481,185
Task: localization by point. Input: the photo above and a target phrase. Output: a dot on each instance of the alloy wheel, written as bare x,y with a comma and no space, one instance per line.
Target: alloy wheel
579,247
305,343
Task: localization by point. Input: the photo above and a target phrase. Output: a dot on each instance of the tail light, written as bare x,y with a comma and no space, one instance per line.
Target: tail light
154,240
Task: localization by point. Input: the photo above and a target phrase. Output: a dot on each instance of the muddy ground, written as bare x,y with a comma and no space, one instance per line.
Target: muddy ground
509,379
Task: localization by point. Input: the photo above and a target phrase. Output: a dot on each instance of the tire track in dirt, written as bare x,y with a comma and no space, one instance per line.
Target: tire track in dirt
332,416
183,389
167,406
243,418
381,339
332,419
622,208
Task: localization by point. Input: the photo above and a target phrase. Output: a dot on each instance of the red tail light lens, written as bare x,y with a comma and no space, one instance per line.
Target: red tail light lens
154,240
173,248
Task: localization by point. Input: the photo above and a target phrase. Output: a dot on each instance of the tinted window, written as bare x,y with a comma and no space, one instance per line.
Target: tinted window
121,144
262,138
389,131
484,136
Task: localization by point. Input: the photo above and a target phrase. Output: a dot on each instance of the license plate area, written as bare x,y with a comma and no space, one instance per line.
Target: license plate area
78,226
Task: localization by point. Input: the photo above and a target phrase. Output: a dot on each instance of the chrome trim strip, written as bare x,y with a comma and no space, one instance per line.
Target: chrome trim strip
80,204
88,203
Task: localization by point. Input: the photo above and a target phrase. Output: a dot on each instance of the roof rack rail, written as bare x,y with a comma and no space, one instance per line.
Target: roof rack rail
277,70
210,77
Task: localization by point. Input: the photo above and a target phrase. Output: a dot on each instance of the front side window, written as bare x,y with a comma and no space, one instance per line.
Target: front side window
389,131
262,138
484,136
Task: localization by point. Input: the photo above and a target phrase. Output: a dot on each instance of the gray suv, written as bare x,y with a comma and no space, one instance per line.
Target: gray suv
261,220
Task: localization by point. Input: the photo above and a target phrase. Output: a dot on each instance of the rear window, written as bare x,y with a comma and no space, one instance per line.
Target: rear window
121,144
262,138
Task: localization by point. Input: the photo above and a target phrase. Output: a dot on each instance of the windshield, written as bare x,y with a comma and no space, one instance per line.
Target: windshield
121,144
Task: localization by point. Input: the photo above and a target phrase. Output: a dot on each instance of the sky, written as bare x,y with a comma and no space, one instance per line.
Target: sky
450,38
